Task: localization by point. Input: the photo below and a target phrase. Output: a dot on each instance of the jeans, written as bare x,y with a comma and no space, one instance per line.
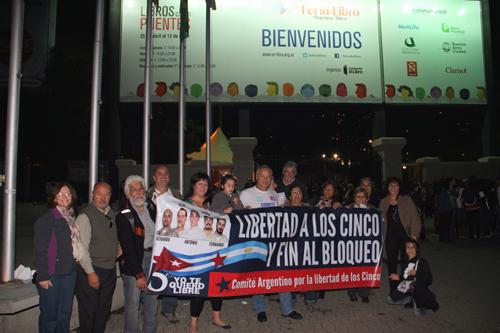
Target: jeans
168,304
133,297
286,307
418,312
56,303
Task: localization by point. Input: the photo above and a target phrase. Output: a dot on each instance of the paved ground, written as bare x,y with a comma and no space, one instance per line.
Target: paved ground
466,276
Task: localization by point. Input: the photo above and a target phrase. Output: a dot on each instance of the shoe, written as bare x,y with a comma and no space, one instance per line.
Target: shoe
171,317
409,305
353,298
488,235
294,315
261,317
310,306
226,327
436,307
365,300
321,294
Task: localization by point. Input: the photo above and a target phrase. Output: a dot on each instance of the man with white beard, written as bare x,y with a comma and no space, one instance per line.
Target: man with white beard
136,229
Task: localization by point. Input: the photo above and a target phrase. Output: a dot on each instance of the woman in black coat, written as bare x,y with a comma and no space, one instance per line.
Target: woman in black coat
419,272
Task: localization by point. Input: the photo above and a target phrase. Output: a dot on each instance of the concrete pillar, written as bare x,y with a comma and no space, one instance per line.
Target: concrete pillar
430,169
242,158
389,150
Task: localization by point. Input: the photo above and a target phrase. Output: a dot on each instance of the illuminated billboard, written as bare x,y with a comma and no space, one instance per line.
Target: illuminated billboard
303,51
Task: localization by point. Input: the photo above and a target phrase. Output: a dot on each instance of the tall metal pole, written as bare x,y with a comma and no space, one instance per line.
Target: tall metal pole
147,94
208,107
96,96
9,213
182,116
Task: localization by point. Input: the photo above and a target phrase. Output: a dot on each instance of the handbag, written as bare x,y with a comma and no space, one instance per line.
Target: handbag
408,286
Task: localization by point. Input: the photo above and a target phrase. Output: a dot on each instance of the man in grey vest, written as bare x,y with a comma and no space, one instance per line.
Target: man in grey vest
97,270
161,178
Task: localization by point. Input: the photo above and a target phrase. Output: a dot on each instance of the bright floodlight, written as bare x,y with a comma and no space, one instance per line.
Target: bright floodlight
257,5
406,9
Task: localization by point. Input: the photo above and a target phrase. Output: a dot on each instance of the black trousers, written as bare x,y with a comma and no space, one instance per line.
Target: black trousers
474,222
94,305
197,304
445,226
395,244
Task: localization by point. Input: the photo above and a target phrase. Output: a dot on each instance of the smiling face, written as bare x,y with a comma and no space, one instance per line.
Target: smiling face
208,223
328,192
194,218
63,198
360,199
161,177
394,188
101,196
200,188
289,174
411,251
264,179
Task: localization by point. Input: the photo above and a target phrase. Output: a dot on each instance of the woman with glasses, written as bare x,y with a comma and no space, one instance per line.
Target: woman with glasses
418,271
401,222
360,196
328,198
57,250
200,194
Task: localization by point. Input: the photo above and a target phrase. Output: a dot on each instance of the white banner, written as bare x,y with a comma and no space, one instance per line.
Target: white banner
262,51
433,51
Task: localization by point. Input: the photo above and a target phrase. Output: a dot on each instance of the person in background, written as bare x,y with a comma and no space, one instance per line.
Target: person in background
470,201
328,198
415,195
58,248
284,184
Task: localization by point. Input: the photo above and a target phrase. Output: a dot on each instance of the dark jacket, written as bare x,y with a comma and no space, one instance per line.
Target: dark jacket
53,249
131,237
423,297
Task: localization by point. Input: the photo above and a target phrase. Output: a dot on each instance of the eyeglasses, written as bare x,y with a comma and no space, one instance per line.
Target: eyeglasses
329,189
133,189
361,196
296,193
67,194
110,221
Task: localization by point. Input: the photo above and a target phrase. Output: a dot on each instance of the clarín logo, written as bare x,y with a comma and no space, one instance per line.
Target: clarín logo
446,47
410,42
451,70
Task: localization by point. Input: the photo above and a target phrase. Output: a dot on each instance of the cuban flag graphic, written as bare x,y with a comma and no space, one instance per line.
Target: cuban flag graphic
178,264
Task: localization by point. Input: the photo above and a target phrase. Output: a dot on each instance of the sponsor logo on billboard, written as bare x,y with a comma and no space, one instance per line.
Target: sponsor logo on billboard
352,70
408,27
410,47
451,70
428,11
454,47
452,29
337,55
340,13
334,70
411,68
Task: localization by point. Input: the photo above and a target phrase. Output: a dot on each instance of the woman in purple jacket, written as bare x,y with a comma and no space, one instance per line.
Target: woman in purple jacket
57,250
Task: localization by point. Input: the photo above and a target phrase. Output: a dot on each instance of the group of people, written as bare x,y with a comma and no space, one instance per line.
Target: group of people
78,254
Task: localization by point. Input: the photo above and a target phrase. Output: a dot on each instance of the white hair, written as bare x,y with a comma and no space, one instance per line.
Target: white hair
133,179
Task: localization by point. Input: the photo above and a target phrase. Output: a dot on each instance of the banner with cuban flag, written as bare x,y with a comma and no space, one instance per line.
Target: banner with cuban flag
268,250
